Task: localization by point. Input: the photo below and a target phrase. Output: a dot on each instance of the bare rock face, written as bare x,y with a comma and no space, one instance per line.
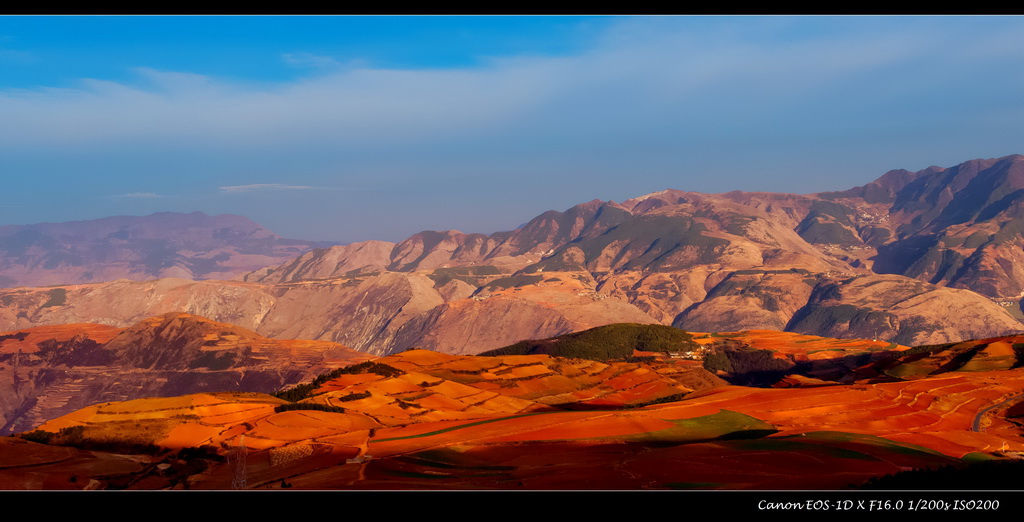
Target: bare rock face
166,244
960,226
661,295
429,250
995,269
902,310
336,261
471,327
49,371
455,290
750,300
123,303
554,304
362,312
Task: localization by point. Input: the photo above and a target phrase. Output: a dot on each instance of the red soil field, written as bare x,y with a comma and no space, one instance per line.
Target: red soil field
455,422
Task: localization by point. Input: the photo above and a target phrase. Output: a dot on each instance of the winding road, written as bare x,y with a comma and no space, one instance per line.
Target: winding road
977,418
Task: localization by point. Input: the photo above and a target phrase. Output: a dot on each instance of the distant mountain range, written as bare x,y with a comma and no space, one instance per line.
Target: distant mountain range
913,257
166,244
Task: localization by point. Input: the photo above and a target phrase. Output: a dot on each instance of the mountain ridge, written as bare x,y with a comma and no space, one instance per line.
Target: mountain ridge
859,263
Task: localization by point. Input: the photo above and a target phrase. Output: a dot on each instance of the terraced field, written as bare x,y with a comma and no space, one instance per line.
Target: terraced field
426,420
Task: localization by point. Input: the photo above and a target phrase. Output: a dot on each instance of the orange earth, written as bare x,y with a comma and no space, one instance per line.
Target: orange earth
541,422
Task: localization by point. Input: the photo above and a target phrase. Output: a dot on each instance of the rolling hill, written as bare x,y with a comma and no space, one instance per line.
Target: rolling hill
427,420
49,371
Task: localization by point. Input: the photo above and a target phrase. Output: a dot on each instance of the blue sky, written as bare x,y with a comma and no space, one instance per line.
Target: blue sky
349,128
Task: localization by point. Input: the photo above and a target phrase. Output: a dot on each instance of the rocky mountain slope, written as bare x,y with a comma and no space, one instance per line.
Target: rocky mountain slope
166,244
913,257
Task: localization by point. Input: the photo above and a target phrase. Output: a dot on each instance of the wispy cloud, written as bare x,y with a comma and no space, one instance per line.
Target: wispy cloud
16,56
697,103
265,187
310,60
644,76
140,195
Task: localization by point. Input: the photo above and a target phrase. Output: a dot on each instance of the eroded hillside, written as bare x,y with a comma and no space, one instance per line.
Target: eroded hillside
50,371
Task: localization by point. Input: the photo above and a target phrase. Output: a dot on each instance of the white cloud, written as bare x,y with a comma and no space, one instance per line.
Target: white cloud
233,189
695,103
646,75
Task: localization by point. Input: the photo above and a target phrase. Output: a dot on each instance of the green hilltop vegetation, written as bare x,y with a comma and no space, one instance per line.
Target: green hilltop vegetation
649,240
603,343
305,391
474,275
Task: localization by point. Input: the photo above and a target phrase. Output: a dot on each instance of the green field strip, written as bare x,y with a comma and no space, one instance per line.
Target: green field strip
461,426
832,437
725,424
